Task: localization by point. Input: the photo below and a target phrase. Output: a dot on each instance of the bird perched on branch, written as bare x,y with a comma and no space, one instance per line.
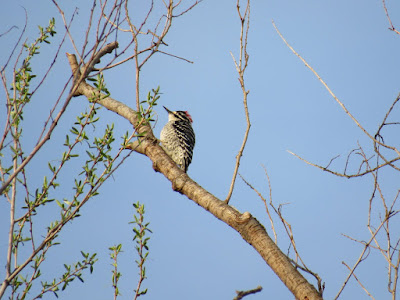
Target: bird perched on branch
177,138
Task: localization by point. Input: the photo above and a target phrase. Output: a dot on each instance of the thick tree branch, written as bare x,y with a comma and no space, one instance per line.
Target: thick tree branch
246,225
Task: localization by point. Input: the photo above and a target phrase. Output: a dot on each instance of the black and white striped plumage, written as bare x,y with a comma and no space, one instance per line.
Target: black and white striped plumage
177,138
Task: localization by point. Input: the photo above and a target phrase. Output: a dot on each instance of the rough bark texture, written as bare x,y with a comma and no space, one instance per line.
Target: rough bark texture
245,224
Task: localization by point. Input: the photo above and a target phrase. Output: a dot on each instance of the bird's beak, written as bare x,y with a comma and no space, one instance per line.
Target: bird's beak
167,110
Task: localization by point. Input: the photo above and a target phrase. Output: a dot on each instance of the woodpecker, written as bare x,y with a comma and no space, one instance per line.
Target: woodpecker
177,138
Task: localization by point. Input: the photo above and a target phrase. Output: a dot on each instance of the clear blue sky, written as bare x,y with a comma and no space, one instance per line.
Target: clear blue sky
193,255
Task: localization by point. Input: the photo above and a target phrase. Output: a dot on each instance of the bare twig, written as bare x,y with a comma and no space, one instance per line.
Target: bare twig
321,285
9,30
186,10
242,294
178,57
241,68
341,174
265,204
390,21
17,43
360,258
67,26
333,95
379,134
359,282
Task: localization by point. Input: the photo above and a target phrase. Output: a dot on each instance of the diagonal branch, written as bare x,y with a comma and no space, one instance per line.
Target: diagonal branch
39,145
244,223
333,95
390,21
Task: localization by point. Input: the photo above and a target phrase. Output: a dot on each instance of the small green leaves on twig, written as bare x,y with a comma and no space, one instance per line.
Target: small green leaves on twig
115,274
146,113
71,273
101,89
23,76
140,229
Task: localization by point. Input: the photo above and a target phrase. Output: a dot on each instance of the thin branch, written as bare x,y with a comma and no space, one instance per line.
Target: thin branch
241,68
67,26
390,21
186,10
242,294
332,94
115,25
17,43
265,204
38,146
359,282
358,241
387,115
341,174
378,133
12,224
9,30
360,259
321,285
178,57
